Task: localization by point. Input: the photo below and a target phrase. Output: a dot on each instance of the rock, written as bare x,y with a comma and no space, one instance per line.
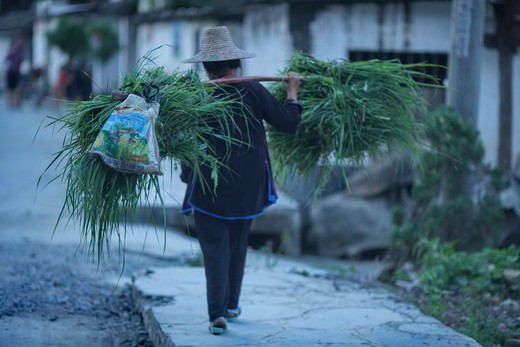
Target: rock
509,305
347,226
510,275
512,343
410,287
381,176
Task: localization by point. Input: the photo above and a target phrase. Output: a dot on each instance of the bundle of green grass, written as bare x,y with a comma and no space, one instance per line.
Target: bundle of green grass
102,199
351,111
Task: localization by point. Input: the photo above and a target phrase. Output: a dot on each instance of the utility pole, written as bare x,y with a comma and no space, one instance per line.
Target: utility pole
467,42
467,36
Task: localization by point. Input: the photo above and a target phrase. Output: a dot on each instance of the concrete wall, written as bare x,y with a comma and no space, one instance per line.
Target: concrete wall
171,41
329,44
266,32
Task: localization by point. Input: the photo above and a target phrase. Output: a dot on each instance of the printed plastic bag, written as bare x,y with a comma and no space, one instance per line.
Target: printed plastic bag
127,141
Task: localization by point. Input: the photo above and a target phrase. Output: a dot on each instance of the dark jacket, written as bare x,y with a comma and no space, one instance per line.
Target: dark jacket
245,185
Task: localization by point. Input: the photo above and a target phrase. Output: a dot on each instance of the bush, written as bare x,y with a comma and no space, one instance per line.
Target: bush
455,196
463,288
451,231
78,38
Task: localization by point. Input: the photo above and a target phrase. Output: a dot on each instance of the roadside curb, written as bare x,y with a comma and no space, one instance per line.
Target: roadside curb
152,326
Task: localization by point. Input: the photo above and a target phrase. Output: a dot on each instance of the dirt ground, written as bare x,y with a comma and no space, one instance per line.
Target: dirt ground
497,317
57,297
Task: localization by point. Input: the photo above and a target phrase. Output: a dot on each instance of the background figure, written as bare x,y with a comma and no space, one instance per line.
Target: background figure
60,91
81,82
40,87
13,61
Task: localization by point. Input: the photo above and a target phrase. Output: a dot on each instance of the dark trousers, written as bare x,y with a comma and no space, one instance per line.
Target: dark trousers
224,247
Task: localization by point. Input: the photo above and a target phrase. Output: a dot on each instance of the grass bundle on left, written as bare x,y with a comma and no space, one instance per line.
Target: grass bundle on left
104,200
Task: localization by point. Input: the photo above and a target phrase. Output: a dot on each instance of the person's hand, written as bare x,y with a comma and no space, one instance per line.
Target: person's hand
292,83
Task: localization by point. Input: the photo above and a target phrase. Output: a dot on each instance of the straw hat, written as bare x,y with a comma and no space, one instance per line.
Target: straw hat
218,46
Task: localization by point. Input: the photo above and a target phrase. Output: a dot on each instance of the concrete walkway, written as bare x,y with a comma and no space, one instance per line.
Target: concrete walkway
286,302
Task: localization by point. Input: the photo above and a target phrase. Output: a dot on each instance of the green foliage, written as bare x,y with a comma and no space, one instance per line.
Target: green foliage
445,204
457,152
70,37
350,111
450,231
473,273
102,198
106,41
479,326
474,276
80,38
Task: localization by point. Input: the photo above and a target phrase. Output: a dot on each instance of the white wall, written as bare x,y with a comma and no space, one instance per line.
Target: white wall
430,31
385,27
489,104
156,37
266,33
329,33
5,43
362,28
163,37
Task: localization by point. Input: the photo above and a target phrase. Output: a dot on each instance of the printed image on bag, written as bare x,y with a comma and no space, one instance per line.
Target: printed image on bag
127,141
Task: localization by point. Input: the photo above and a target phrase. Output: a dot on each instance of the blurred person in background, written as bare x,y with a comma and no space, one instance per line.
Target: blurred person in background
13,61
61,90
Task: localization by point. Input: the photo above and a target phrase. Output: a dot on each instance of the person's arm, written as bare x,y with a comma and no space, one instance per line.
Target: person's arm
283,117
292,84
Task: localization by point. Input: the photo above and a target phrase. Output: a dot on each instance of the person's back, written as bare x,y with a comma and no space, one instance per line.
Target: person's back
245,185
223,214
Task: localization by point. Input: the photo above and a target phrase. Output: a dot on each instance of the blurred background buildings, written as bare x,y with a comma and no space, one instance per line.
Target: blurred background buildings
410,30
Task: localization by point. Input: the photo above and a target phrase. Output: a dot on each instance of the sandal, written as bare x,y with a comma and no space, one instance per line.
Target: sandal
232,315
218,326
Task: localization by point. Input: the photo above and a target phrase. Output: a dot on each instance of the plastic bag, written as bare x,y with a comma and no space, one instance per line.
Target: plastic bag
127,141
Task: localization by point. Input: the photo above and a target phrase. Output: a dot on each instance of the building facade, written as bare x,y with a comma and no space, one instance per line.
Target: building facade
411,30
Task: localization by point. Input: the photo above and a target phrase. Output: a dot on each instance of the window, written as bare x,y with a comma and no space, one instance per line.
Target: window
433,96
439,72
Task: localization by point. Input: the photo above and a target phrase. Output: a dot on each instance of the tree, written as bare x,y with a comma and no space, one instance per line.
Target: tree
467,36
77,38
105,41
70,37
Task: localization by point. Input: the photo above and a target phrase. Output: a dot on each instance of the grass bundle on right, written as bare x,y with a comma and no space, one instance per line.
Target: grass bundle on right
351,111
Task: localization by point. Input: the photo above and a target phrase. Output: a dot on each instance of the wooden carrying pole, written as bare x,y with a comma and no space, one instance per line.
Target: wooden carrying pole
119,95
227,80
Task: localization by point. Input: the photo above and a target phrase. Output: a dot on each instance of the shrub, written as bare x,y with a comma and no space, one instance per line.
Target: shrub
455,196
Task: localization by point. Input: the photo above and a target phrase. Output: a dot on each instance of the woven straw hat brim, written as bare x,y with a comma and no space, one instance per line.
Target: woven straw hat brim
239,54
218,46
